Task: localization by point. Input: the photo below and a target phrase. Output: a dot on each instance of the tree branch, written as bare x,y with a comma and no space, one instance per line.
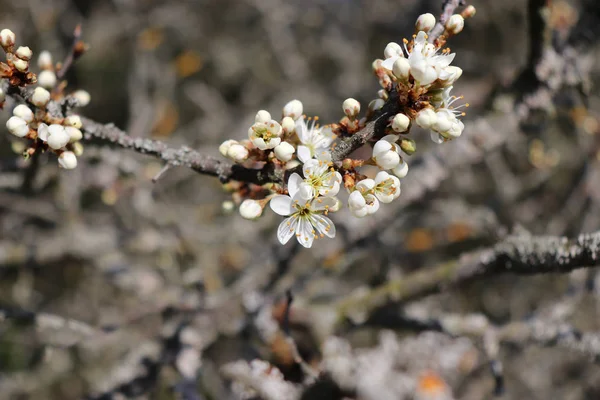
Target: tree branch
447,10
518,254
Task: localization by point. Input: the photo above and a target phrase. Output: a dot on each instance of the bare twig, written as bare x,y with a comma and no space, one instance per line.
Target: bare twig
447,10
77,50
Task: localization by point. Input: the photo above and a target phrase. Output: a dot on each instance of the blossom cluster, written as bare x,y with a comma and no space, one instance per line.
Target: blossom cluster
417,76
31,120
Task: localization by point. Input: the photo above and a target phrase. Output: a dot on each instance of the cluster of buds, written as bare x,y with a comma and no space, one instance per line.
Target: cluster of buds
417,76
32,121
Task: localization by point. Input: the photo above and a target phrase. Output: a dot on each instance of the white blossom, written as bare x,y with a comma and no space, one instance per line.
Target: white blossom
351,107
21,65
224,147
67,160
455,24
250,209
262,116
57,136
74,121
425,63
401,68
387,187
305,217
75,134
23,112
376,104
320,179
401,169
265,135
400,123
44,61
386,153
7,38
42,131
426,118
288,124
425,22
237,152
293,109
362,201
40,97
24,53
17,126
47,79
284,151
83,97
316,140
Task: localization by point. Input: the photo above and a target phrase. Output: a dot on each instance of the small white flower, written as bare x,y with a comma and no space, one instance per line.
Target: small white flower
293,109
47,79
44,61
83,97
75,134
319,180
262,116
224,147
316,141
401,69
24,53
425,22
387,187
40,97
57,136
426,118
362,201
400,123
455,24
449,75
17,126
306,219
237,152
7,38
265,135
351,107
425,63
250,209
74,121
284,151
21,65
392,52
67,160
401,169
23,112
386,153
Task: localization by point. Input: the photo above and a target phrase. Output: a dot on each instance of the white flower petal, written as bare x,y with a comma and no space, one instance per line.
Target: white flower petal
323,203
388,63
323,225
304,153
287,229
282,205
305,233
294,184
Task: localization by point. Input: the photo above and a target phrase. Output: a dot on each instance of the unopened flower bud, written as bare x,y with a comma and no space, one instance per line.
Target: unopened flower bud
75,134
293,109
74,121
383,94
262,116
67,160
24,53
224,147
44,60
408,146
77,148
21,65
42,132
376,104
237,152
393,49
425,22
40,97
7,38
284,151
469,12
17,126
425,118
57,136
250,209
351,107
455,24
82,97
23,112
401,69
450,75
288,124
47,79
400,123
